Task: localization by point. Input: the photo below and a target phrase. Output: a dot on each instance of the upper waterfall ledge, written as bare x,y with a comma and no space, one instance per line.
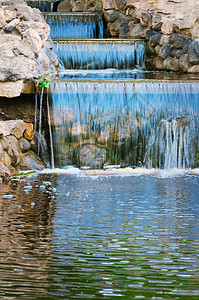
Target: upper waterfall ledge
26,49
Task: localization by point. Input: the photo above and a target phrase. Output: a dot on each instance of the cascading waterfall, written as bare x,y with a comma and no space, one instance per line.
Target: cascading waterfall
100,54
127,123
43,5
75,25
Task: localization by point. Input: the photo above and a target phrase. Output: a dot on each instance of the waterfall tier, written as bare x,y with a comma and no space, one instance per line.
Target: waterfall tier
100,54
75,25
125,123
43,5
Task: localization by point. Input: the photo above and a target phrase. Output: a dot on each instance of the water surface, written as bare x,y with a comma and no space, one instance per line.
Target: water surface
100,237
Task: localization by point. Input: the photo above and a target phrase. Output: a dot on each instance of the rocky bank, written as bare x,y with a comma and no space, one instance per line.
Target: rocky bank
26,49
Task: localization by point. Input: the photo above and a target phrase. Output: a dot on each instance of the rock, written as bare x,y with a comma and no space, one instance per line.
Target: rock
158,63
164,40
114,16
14,150
174,65
29,131
193,51
24,144
150,33
186,45
177,40
156,21
92,156
155,40
157,49
6,160
1,150
79,5
184,63
124,28
4,172
115,27
12,127
167,27
31,161
164,52
150,50
146,19
138,31
172,51
179,53
64,6
108,4
167,62
194,69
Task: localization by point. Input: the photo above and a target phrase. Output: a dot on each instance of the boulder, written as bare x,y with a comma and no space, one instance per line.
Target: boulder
164,52
158,63
124,28
167,27
29,131
6,160
4,171
108,4
174,65
155,40
14,150
30,161
64,6
193,51
115,28
194,69
184,63
138,31
24,145
13,127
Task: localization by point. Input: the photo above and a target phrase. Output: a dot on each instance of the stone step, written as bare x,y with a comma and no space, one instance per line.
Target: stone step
95,54
75,25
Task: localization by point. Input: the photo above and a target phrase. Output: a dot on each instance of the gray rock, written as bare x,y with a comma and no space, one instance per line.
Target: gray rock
31,161
193,51
172,52
24,145
155,40
150,33
14,150
186,45
164,52
177,40
184,63
124,28
138,31
179,53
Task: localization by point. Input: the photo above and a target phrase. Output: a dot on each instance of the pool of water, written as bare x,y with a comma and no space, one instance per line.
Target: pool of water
74,236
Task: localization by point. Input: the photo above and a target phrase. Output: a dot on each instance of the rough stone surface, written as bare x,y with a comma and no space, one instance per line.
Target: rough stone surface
14,150
24,144
13,127
64,6
23,36
30,161
194,51
29,132
92,156
4,171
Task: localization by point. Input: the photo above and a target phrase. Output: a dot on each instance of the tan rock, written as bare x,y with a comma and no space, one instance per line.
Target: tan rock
174,65
184,63
29,132
194,69
167,27
4,172
11,89
158,63
108,4
6,160
12,127
31,161
64,6
33,38
115,28
164,40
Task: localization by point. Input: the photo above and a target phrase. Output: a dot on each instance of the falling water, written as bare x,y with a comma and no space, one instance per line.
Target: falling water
75,25
100,54
43,5
127,123
50,134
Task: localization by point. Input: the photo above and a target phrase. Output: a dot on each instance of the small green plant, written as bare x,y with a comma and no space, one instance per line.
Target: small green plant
43,81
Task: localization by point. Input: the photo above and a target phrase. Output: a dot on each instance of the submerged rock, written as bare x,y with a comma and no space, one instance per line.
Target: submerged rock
92,156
